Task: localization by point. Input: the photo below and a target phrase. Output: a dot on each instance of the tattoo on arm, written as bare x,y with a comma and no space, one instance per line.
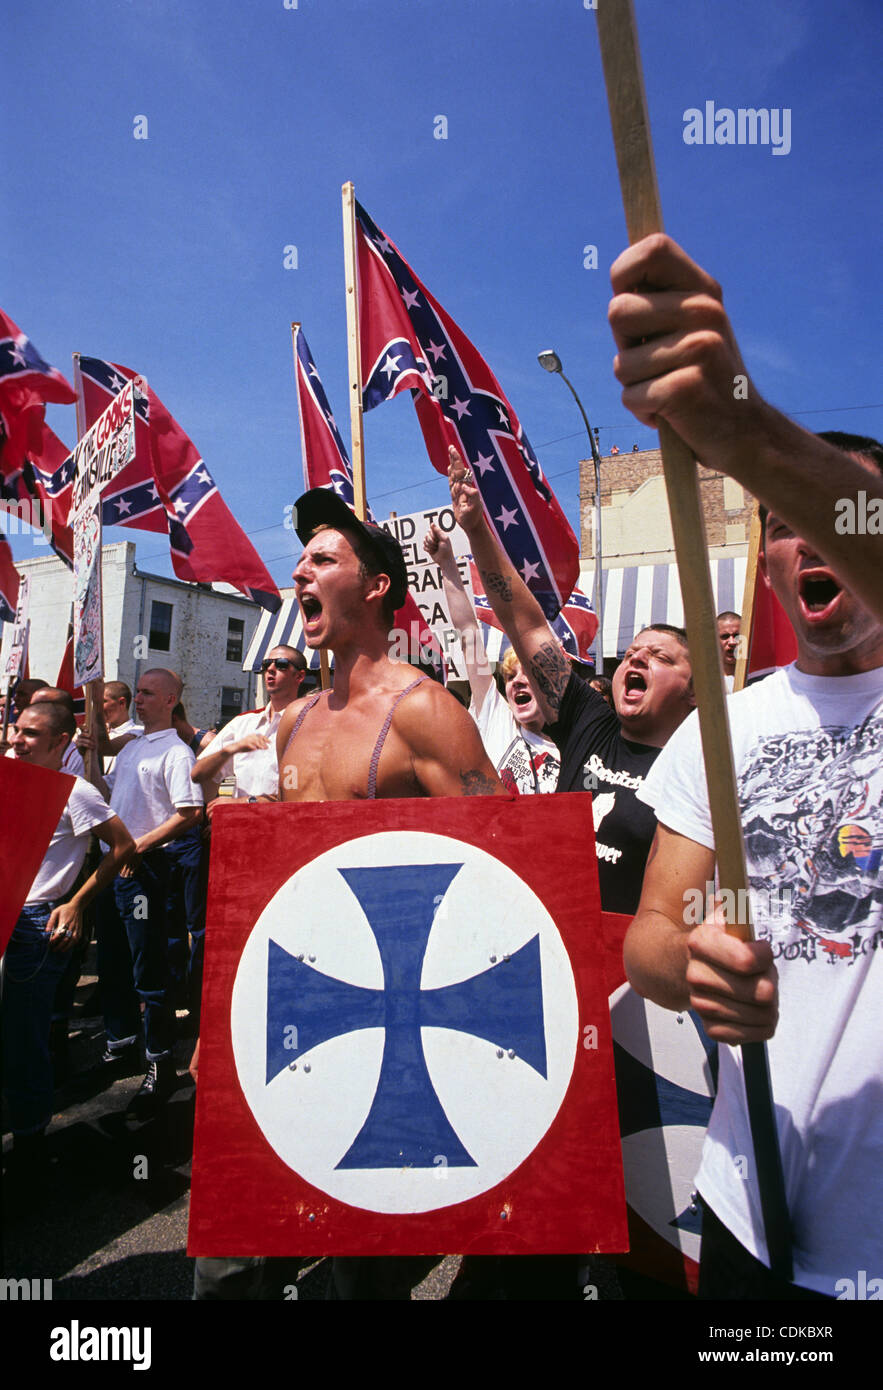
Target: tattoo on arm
477,783
550,669
498,584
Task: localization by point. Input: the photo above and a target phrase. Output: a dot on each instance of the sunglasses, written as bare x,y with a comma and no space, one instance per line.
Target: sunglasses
282,663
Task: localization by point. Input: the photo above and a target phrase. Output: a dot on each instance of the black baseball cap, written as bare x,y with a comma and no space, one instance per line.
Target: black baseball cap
322,506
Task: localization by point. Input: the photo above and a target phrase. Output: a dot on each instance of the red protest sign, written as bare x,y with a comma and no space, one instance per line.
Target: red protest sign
31,802
405,1038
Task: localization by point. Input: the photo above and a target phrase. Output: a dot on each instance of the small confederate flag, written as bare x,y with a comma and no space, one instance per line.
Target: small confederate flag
33,483
26,383
408,341
327,464
9,582
65,678
168,481
575,625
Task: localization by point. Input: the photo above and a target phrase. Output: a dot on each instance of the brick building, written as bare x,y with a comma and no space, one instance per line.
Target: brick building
637,549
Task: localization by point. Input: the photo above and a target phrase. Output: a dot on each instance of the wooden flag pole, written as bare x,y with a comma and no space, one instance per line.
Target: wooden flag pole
351,264
92,759
324,668
623,76
755,533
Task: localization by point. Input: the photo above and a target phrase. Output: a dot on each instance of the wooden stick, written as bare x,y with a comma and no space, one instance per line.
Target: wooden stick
352,342
623,76
324,672
754,536
92,761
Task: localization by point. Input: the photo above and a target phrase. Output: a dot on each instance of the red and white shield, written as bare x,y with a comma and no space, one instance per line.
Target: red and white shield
406,1045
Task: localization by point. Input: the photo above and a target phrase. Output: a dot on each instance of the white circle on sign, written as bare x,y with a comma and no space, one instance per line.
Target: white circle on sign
498,1106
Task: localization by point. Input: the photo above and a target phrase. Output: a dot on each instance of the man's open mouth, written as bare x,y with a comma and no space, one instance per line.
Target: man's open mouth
311,606
634,681
522,697
817,592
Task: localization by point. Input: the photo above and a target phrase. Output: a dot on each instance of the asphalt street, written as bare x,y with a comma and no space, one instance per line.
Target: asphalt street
108,1221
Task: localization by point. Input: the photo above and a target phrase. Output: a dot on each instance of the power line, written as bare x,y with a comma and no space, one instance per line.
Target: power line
562,439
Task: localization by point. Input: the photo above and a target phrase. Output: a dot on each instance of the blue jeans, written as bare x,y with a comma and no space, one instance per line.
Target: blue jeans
185,909
133,964
31,972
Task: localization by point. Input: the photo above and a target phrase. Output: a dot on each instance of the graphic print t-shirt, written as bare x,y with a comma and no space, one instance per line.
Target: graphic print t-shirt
809,764
595,757
526,762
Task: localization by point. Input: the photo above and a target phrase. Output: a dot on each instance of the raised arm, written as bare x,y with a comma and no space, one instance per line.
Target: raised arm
678,360
523,620
478,672
730,983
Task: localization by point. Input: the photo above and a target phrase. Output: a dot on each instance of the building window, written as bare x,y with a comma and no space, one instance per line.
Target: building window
231,702
160,626
235,638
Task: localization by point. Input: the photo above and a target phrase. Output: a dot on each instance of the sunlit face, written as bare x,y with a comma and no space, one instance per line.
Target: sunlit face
154,702
116,711
521,699
652,688
835,633
728,632
331,588
282,682
32,740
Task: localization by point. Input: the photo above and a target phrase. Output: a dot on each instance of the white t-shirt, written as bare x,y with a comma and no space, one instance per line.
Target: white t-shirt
63,860
524,760
151,780
128,726
72,762
257,772
809,764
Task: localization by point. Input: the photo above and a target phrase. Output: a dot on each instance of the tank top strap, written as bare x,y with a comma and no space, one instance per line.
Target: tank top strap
314,699
381,738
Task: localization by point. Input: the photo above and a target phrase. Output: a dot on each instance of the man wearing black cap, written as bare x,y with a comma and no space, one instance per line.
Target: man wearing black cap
381,731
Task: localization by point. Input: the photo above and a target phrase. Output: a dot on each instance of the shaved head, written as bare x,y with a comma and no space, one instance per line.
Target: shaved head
169,681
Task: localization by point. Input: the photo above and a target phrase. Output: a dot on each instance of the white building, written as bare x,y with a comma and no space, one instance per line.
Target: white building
194,629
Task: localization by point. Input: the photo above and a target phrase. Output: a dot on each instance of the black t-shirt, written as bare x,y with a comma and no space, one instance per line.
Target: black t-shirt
595,757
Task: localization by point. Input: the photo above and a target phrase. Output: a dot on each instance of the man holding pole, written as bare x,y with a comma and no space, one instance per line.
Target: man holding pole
807,752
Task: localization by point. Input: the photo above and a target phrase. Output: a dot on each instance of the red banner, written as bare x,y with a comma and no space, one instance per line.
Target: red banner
406,1044
31,802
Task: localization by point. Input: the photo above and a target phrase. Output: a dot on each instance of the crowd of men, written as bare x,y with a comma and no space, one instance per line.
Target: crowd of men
807,750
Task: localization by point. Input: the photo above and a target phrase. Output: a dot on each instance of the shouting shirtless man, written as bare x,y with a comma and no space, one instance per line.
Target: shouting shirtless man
383,730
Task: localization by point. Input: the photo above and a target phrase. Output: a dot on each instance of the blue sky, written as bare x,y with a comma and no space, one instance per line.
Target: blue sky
166,254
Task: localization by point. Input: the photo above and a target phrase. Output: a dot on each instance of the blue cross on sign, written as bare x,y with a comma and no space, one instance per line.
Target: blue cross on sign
404,1020
406,1125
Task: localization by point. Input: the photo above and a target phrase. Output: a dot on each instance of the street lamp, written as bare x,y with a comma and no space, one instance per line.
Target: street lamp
551,362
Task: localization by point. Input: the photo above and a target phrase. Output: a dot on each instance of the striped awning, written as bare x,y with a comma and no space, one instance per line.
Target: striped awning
633,597
642,594
283,628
